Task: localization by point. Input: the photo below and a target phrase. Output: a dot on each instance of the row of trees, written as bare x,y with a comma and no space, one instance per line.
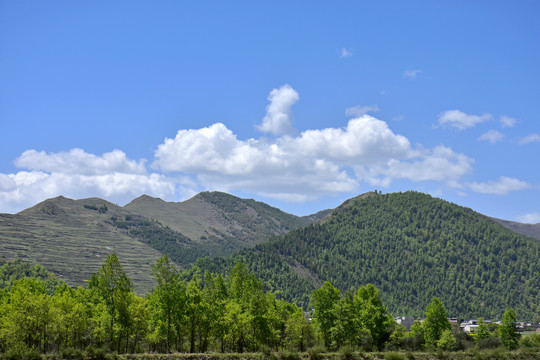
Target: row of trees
206,313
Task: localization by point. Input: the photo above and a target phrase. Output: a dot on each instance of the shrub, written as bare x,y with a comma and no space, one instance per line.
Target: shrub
346,352
394,356
71,354
491,342
288,355
315,352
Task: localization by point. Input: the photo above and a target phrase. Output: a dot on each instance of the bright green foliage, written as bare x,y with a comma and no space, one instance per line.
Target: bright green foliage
374,316
508,333
167,302
112,287
196,316
298,332
26,317
71,314
140,318
346,322
436,321
324,301
447,340
15,270
357,319
482,332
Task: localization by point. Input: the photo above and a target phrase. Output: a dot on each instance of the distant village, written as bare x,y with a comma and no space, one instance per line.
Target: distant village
470,326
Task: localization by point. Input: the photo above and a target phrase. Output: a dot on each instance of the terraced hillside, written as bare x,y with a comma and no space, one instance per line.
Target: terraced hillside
72,239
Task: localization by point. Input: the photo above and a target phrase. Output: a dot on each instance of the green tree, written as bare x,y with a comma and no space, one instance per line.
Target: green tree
324,301
196,314
140,317
167,302
215,294
436,321
447,340
373,315
482,332
112,287
26,320
298,332
71,316
346,324
508,333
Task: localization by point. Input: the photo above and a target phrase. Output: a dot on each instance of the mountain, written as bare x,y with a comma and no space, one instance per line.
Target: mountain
532,230
219,222
412,247
72,238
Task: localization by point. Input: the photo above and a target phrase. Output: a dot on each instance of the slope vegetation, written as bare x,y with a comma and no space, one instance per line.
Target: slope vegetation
412,247
220,223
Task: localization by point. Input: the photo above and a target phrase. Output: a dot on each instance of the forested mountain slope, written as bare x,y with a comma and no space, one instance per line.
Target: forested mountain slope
220,222
412,247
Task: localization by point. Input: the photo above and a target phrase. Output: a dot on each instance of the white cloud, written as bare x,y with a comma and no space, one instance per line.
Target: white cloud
359,110
461,120
532,218
499,187
411,74
78,174
76,161
530,138
507,121
316,162
346,53
493,136
278,113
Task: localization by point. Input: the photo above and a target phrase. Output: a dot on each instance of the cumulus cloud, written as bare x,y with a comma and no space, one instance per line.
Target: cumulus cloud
77,161
492,136
278,113
529,139
502,186
79,174
316,162
411,74
461,120
359,110
507,121
532,218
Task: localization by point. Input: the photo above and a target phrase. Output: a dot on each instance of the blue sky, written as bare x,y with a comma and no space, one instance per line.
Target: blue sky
300,104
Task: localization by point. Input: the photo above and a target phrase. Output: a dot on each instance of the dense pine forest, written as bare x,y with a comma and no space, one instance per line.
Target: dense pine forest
412,247
214,313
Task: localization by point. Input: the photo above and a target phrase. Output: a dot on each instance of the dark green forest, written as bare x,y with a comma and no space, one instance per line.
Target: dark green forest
412,247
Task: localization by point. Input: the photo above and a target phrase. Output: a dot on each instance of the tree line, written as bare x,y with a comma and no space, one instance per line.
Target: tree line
208,312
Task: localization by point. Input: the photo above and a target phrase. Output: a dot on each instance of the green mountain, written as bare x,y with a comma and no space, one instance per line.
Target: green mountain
412,247
71,238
